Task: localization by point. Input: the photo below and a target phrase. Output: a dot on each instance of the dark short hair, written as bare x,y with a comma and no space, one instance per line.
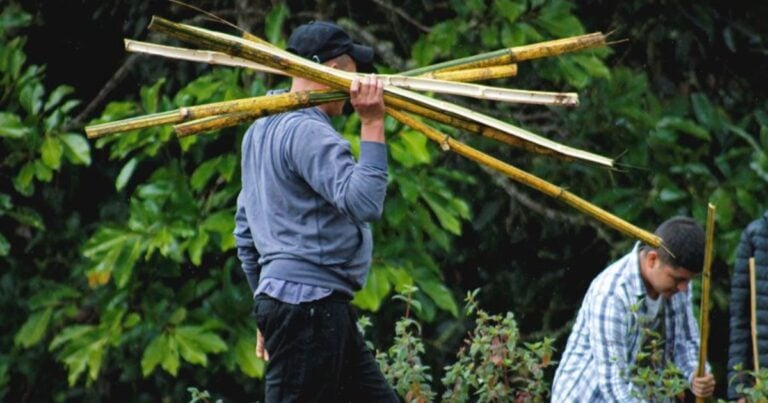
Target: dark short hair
682,244
321,41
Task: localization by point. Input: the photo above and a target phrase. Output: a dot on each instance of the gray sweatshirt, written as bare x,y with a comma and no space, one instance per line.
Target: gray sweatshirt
305,204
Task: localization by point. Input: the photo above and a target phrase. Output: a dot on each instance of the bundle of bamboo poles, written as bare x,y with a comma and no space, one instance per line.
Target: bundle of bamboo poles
402,102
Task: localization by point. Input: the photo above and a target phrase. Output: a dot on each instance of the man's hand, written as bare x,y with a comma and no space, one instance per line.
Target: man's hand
261,351
367,97
703,386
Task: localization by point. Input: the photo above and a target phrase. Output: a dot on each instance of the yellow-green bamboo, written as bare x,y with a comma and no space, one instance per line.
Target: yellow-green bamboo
481,91
753,314
263,105
701,370
215,123
518,53
413,83
549,189
297,66
475,74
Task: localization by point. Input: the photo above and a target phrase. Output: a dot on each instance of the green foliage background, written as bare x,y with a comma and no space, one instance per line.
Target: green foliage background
118,275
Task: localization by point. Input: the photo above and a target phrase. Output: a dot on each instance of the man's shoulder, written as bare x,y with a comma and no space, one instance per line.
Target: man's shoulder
613,281
758,226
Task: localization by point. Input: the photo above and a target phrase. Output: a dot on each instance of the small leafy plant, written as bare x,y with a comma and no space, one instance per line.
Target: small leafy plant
494,364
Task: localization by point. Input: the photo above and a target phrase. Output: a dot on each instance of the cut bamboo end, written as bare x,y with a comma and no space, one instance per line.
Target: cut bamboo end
125,125
558,47
193,55
518,53
549,189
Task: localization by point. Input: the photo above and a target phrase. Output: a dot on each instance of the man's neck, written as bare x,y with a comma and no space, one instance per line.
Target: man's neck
644,269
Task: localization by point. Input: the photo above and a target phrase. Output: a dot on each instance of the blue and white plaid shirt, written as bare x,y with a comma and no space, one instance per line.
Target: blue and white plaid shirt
606,337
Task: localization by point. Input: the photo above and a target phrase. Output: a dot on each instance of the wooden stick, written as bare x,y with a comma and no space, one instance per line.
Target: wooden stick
297,66
517,54
261,106
476,74
753,313
215,123
441,86
701,370
194,55
549,189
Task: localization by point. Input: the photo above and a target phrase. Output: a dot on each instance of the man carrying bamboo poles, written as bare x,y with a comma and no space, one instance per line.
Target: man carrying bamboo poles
302,232
645,291
743,349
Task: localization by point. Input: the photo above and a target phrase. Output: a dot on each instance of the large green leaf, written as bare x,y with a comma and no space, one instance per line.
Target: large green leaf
170,361
194,343
153,354
51,151
376,289
57,96
245,356
31,98
125,173
76,148
203,173
33,330
11,126
509,9
274,21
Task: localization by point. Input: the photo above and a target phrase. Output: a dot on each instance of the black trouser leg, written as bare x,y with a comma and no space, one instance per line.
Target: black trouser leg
317,354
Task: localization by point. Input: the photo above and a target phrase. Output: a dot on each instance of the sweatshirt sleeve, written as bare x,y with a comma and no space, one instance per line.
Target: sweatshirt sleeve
246,250
324,159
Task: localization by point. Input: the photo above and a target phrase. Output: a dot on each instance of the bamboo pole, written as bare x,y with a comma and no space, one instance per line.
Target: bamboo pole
701,370
297,66
475,74
194,55
441,86
549,189
263,105
215,123
753,314
223,59
518,53
481,91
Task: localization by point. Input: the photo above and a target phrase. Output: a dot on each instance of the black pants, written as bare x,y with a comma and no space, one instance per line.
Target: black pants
316,353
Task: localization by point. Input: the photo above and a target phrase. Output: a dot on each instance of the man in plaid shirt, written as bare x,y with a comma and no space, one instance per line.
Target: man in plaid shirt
645,289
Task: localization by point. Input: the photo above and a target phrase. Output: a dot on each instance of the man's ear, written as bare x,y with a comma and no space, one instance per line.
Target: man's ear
652,256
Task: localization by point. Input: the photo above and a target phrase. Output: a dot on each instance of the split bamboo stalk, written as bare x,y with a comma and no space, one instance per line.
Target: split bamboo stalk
753,313
297,66
260,106
701,370
457,87
437,116
215,123
475,74
194,55
518,53
481,91
549,189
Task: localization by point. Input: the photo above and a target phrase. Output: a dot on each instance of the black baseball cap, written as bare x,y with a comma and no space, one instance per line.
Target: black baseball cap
321,41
